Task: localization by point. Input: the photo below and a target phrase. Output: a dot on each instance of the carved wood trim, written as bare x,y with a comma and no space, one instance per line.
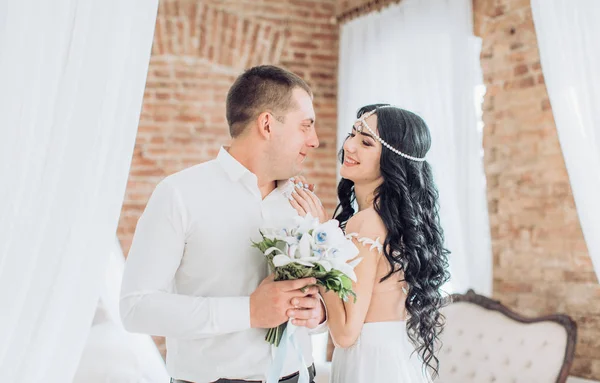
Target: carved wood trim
363,9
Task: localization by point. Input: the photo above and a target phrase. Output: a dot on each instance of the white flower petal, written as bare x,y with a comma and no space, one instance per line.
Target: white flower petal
326,265
332,231
281,260
347,250
304,263
355,262
348,270
272,249
310,259
291,250
345,268
304,246
289,240
306,223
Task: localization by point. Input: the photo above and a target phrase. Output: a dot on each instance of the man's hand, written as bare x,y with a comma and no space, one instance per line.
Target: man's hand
270,302
308,311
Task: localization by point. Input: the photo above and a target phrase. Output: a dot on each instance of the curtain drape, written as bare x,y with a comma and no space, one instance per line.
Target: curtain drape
72,77
568,33
421,55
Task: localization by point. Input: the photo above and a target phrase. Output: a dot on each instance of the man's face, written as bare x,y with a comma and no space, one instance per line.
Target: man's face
294,136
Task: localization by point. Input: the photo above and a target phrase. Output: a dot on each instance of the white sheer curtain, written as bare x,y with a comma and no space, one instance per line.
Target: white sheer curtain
72,77
421,55
112,354
568,34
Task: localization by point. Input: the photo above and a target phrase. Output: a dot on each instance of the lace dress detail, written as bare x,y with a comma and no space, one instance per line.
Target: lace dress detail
366,241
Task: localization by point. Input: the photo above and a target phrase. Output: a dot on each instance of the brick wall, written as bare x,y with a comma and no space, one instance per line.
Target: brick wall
199,48
541,264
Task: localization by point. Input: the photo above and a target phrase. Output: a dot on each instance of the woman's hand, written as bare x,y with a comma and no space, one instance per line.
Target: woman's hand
305,201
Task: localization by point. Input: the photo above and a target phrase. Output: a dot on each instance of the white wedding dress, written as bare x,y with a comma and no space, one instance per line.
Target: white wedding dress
382,353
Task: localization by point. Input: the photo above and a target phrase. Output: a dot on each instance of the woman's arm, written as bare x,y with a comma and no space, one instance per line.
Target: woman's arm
347,318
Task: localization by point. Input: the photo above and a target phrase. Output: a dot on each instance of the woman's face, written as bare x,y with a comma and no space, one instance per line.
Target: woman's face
362,153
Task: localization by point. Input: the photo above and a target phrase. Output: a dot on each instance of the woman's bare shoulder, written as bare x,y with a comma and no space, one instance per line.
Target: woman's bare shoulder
366,223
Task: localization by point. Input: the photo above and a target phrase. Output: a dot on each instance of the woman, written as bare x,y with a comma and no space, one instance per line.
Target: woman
390,333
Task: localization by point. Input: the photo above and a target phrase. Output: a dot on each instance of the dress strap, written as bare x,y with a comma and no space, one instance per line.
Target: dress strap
366,241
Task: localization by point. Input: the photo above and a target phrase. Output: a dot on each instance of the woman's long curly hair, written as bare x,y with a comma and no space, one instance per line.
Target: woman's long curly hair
407,202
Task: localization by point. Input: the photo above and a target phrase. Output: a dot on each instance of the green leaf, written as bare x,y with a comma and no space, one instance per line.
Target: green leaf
346,282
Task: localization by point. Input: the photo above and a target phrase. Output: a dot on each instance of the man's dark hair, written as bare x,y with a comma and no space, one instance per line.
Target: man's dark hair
259,89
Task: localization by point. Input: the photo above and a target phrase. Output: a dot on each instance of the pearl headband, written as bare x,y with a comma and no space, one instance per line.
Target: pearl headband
363,122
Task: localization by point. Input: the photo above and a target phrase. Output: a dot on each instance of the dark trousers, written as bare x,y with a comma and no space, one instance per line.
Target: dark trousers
293,378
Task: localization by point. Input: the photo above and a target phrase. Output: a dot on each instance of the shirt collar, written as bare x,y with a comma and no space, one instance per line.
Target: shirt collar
236,171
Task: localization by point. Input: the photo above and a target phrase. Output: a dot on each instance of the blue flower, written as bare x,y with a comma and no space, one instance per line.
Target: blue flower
321,237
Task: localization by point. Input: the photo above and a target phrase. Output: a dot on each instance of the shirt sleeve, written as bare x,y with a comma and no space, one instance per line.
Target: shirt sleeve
148,303
323,327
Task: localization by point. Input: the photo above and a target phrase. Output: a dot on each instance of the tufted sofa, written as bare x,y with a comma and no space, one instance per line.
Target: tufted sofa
484,341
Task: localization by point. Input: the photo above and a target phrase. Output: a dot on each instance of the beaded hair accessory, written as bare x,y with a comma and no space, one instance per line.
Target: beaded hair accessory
361,122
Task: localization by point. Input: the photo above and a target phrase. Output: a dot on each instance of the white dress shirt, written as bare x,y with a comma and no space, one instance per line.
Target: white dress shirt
191,270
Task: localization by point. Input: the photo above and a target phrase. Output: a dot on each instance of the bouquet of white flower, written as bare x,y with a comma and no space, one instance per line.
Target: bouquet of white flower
310,249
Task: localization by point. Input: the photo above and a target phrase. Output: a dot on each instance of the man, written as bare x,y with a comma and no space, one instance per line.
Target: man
191,274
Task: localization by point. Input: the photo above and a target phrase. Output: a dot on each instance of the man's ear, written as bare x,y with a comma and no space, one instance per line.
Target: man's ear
264,124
